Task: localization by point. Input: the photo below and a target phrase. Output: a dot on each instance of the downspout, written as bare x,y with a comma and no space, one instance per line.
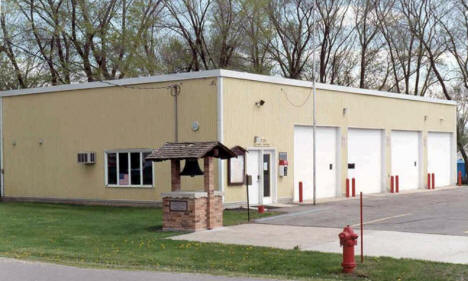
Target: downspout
2,190
220,128
175,94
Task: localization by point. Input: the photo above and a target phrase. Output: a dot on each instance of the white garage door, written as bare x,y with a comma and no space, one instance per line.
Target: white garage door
365,154
439,157
405,158
326,161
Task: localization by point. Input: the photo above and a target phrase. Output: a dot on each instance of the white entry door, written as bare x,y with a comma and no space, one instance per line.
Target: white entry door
326,162
253,170
405,147
439,157
261,166
365,159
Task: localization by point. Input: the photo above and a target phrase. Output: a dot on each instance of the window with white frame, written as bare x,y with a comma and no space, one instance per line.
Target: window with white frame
129,168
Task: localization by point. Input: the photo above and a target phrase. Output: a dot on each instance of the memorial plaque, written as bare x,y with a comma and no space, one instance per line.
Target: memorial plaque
178,206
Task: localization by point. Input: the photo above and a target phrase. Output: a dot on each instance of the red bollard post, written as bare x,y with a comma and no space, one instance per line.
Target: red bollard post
261,209
362,231
459,178
348,239
391,184
354,186
347,188
428,181
397,184
300,192
433,181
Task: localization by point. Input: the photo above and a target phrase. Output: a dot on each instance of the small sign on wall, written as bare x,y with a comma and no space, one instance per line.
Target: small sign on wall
283,156
260,141
178,206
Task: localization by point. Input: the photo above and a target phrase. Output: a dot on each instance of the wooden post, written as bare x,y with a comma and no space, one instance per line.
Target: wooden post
175,175
209,189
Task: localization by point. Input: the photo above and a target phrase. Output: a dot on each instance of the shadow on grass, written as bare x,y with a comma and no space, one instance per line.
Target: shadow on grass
156,228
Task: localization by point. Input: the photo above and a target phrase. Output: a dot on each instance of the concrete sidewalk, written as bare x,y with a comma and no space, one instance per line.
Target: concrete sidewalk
432,247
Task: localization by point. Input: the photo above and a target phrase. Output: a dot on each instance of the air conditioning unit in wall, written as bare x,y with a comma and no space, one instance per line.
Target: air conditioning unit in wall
87,158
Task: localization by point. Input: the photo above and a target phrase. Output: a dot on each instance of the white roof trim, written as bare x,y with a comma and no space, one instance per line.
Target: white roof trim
329,87
220,73
120,82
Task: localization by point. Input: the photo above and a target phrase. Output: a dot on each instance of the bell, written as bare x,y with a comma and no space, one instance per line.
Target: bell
191,168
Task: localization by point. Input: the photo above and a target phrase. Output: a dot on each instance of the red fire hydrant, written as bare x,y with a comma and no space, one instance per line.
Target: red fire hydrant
348,239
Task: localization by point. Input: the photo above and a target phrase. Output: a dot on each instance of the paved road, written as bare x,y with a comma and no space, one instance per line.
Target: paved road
16,270
433,212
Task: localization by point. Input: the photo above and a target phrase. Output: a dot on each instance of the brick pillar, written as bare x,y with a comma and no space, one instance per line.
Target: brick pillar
209,189
175,175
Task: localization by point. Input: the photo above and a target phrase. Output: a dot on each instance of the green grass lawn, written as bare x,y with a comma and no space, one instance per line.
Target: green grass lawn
132,238
238,216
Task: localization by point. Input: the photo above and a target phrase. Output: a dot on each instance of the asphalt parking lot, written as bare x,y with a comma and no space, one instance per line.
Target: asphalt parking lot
434,212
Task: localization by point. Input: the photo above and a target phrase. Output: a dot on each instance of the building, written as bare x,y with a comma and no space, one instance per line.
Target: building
362,134
461,165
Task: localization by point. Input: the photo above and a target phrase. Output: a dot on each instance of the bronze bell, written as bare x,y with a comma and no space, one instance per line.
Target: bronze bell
191,168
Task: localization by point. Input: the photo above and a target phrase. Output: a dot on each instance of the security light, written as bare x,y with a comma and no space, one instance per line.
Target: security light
259,103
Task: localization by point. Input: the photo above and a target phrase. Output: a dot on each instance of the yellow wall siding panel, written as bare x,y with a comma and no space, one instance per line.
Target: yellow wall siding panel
98,120
287,106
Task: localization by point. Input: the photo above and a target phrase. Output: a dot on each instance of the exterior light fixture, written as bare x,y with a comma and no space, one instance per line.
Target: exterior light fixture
345,110
425,117
259,103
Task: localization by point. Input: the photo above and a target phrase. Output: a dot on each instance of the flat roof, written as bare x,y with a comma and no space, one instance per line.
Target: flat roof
218,73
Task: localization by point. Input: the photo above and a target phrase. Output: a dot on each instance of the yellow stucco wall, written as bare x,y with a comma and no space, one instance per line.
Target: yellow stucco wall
287,106
117,118
98,120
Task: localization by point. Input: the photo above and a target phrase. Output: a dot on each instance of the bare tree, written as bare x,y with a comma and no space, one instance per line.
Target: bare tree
188,18
406,53
143,37
257,36
226,31
7,48
455,27
367,28
423,24
292,21
44,24
335,38
408,46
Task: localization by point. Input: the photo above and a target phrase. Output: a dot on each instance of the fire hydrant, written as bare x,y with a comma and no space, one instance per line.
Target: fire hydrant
348,239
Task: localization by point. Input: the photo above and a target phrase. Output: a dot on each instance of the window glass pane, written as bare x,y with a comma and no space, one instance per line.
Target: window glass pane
123,169
111,168
147,170
135,165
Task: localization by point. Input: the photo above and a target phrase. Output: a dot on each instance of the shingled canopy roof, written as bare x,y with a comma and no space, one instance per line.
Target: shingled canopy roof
184,150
